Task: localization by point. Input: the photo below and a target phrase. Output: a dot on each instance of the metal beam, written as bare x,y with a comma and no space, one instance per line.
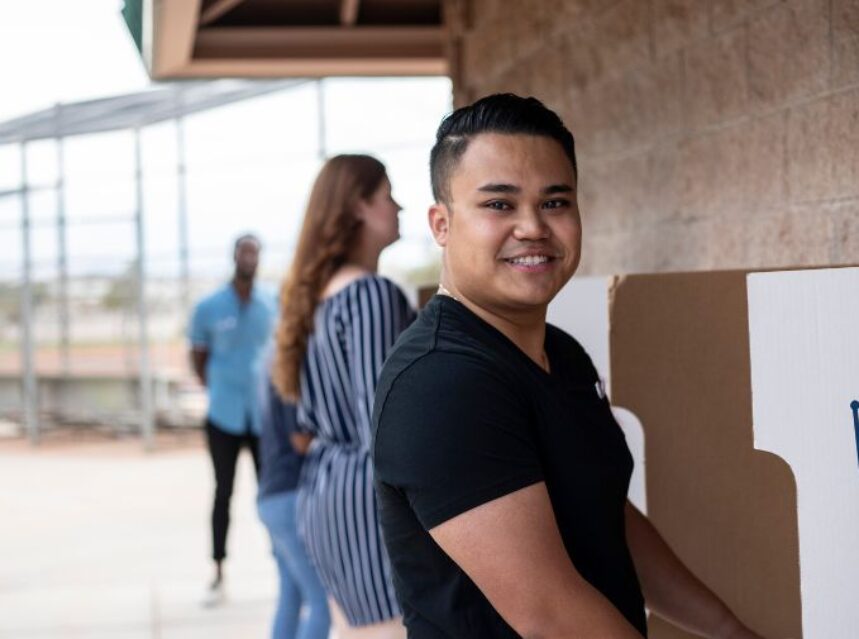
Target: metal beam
295,43
311,67
321,136
349,12
217,9
147,423
136,109
28,365
62,249
182,213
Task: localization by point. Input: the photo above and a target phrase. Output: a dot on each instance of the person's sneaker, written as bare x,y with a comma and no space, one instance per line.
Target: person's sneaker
215,595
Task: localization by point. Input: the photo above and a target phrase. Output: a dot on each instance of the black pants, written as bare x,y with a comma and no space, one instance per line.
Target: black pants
224,449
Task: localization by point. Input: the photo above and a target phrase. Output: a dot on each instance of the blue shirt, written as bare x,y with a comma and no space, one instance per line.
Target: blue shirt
280,465
235,335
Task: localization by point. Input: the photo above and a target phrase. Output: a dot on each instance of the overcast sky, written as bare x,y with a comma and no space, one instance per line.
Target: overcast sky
250,165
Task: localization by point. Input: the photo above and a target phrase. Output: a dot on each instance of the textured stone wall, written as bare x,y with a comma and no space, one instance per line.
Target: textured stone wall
711,133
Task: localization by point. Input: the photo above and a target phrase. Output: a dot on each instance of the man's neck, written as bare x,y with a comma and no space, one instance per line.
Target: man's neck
243,288
526,330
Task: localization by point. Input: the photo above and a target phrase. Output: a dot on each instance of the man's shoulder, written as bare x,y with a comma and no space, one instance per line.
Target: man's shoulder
577,361
446,378
430,345
563,341
213,300
265,296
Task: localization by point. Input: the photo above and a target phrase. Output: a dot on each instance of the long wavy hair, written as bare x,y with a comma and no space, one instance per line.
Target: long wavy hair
328,233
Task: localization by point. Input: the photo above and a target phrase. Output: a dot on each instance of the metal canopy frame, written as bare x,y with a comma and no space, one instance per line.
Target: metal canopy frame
125,112
164,102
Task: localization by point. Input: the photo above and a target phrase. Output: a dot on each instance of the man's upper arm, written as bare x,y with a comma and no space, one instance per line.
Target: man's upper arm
512,550
198,331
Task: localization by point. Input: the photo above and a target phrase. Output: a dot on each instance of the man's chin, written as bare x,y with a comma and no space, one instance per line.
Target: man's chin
525,301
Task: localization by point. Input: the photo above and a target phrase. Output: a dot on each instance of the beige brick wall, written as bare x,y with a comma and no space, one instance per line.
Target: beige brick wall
711,133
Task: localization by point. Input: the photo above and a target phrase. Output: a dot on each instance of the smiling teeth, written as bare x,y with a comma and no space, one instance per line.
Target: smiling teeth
531,260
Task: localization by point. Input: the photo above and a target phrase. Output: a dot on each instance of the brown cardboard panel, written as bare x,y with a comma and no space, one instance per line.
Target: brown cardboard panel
680,362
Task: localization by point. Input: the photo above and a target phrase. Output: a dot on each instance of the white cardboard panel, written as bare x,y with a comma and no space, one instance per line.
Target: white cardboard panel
804,343
582,310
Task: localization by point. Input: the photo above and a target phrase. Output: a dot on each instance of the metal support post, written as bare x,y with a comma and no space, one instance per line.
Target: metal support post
320,120
28,366
147,426
182,210
62,250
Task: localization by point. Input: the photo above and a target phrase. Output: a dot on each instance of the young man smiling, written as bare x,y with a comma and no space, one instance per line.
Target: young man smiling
501,473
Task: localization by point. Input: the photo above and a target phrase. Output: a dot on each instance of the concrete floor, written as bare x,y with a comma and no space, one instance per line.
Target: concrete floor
99,539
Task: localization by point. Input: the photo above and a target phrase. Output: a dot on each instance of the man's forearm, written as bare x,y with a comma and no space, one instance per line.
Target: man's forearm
198,363
583,613
670,588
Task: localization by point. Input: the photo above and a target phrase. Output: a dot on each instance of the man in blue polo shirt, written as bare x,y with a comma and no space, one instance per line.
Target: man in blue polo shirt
229,332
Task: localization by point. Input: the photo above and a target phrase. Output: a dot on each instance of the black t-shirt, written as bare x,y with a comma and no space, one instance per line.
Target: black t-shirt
462,417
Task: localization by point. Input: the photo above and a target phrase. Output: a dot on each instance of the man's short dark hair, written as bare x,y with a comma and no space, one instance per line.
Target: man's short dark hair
246,237
499,113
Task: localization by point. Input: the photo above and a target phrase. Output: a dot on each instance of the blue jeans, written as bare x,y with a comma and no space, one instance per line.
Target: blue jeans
299,584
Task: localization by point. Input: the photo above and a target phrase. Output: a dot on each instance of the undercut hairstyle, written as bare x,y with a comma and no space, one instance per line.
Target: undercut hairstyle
247,237
499,113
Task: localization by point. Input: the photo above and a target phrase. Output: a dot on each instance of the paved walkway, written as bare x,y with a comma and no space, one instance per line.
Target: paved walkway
101,540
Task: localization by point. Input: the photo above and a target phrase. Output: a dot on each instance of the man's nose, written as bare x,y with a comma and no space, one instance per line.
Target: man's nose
530,225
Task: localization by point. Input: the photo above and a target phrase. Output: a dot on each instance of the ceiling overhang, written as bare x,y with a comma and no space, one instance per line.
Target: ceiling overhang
291,38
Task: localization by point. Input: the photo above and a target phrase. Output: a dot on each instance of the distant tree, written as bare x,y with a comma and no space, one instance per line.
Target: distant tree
120,294
10,302
10,299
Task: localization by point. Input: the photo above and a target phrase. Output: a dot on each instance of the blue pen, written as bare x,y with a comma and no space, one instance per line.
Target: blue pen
855,406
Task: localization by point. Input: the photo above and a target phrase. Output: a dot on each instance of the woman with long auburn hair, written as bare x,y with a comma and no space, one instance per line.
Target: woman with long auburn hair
339,320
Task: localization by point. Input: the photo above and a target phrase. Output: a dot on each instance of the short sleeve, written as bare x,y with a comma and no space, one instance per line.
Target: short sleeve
452,435
198,333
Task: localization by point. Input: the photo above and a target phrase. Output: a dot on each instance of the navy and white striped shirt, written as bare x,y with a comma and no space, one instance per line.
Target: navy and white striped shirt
354,330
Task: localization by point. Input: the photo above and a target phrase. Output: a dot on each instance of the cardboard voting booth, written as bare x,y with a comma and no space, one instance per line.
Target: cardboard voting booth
745,388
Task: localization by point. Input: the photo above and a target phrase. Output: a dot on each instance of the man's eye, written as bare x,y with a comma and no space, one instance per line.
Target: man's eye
556,204
498,205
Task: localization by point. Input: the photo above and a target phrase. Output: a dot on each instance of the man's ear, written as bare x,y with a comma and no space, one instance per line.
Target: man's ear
439,221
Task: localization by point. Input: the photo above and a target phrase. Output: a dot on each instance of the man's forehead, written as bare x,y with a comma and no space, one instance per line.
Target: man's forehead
513,159
248,243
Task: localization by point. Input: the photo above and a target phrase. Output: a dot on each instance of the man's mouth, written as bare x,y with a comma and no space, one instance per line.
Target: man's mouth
530,260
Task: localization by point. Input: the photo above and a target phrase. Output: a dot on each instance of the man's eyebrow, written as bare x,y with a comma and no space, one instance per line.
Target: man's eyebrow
499,188
557,188
552,189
